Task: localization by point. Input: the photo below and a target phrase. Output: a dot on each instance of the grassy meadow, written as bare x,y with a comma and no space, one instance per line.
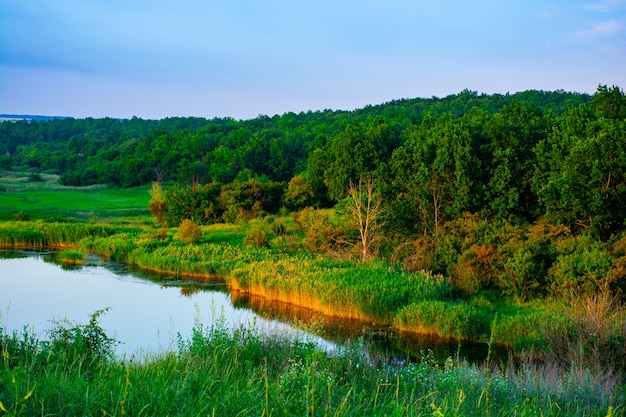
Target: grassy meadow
43,197
219,372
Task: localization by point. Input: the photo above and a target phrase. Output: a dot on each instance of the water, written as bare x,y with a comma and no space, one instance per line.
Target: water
150,313
145,316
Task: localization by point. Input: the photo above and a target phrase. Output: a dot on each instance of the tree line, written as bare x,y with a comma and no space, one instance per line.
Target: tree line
463,179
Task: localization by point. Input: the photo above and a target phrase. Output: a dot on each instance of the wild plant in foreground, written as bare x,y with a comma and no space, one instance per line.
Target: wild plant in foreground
239,372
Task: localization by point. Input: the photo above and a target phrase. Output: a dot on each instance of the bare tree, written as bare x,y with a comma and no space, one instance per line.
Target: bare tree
368,214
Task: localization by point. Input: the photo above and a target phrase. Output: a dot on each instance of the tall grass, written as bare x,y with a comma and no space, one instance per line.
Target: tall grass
39,234
459,320
350,288
225,372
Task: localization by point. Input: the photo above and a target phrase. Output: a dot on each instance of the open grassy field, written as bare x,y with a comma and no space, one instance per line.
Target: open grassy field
21,194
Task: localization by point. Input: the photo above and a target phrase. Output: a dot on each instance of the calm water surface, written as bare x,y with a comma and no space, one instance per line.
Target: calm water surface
144,315
149,312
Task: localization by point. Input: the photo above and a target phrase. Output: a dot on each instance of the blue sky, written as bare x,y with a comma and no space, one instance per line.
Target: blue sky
242,58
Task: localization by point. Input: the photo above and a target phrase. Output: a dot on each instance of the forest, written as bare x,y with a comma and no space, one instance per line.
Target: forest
520,193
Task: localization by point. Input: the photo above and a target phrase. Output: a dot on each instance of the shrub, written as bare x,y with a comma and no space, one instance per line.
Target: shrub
21,217
189,231
299,193
592,334
321,235
88,344
35,177
158,208
582,266
257,238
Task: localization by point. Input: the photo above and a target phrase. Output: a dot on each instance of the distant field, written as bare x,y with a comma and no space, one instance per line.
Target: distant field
21,193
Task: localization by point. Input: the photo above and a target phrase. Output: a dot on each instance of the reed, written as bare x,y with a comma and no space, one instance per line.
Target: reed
237,372
71,257
374,291
39,234
457,319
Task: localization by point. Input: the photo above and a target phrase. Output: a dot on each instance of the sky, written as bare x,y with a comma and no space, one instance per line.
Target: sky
242,58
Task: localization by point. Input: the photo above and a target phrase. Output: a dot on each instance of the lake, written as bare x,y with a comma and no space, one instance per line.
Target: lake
148,313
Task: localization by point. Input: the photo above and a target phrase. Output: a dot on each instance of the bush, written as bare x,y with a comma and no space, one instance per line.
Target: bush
88,344
35,177
257,238
583,266
189,231
321,235
592,333
21,217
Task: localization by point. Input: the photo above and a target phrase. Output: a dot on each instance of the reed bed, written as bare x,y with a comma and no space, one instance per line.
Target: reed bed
40,234
458,320
71,257
372,291
375,291
237,372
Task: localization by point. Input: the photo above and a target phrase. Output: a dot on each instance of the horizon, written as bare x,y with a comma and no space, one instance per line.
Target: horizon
10,116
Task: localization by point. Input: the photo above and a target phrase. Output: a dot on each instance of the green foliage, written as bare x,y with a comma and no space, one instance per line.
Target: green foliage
235,372
322,235
199,203
86,344
257,238
116,247
250,198
459,320
35,177
580,170
299,194
583,266
189,232
71,257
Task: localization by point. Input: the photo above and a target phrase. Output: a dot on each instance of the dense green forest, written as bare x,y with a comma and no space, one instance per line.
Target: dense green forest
521,192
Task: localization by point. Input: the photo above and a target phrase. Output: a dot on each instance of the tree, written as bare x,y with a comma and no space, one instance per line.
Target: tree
368,215
609,102
299,193
581,172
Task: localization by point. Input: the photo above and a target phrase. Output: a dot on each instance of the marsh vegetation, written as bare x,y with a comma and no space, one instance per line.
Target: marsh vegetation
491,218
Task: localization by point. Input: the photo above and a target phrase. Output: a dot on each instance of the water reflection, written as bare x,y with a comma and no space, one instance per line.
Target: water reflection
145,314
381,341
148,312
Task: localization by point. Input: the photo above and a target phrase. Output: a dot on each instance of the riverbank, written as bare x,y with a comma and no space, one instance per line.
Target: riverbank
261,369
226,372
375,291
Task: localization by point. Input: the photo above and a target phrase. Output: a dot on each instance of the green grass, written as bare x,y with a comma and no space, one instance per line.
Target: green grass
224,372
374,291
71,257
280,270
43,200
